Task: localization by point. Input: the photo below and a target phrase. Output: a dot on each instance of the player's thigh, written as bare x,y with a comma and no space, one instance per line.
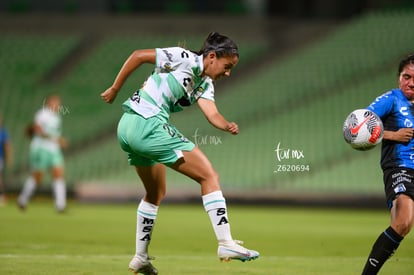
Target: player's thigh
150,141
57,164
43,160
197,166
58,172
402,214
38,159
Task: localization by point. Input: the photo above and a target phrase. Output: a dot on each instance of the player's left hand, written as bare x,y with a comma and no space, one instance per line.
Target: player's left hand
403,135
63,142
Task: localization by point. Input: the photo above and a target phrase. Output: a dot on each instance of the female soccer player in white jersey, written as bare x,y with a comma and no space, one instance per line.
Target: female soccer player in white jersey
181,78
46,154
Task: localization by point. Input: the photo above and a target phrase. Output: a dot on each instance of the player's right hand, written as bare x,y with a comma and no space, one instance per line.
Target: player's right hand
233,128
109,95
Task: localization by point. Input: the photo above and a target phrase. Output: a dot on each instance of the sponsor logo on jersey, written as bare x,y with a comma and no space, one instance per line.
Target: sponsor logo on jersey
400,188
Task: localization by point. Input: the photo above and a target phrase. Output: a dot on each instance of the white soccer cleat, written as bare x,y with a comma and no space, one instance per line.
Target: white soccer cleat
138,265
232,250
21,206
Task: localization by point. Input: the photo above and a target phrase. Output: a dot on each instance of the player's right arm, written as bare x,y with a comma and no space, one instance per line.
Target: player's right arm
135,60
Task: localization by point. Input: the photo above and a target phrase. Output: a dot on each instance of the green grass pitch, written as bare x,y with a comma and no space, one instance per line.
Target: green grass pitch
100,239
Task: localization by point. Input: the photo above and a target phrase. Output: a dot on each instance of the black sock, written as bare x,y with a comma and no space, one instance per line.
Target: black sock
383,248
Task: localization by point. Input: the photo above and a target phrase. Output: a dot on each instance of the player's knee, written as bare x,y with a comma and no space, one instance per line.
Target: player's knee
211,177
162,195
403,227
58,172
37,177
215,176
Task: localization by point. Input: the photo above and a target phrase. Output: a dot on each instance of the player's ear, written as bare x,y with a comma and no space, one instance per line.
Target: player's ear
212,55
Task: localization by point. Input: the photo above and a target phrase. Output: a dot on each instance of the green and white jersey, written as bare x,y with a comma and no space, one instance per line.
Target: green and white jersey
175,83
50,123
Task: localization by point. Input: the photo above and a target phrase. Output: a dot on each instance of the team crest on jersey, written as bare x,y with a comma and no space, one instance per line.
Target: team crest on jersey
400,188
167,67
198,91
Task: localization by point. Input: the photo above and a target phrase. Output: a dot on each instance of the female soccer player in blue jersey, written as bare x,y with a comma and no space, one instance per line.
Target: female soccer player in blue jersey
180,78
396,110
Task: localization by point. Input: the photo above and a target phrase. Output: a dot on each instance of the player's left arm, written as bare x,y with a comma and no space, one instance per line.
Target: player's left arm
63,142
210,111
401,135
382,107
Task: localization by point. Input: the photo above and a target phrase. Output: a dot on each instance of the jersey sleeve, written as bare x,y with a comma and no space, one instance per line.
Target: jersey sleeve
169,59
39,118
382,105
209,93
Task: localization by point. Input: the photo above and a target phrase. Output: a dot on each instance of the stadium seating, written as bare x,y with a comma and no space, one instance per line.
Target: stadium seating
292,105
32,57
26,60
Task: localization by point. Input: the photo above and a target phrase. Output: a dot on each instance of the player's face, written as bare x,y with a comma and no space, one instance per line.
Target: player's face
406,81
219,67
53,103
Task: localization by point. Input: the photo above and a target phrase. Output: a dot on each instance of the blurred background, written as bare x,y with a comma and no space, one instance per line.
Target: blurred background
304,66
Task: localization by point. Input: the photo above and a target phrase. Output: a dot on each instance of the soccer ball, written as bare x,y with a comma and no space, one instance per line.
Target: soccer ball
363,129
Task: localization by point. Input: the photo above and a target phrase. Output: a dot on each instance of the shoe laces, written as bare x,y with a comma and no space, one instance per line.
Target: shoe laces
227,243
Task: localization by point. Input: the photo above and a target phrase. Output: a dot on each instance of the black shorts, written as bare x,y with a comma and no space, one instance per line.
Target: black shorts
398,181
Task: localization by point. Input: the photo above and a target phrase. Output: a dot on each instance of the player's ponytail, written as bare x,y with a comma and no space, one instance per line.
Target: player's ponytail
29,130
220,44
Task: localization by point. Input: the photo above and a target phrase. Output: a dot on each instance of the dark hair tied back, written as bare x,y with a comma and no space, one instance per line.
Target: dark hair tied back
220,44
